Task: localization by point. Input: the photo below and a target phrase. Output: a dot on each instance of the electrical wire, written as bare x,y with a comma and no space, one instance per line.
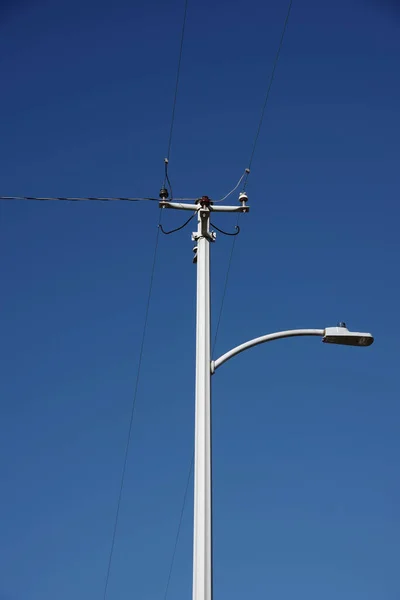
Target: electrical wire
129,436
237,230
233,190
179,527
67,199
178,228
178,75
269,88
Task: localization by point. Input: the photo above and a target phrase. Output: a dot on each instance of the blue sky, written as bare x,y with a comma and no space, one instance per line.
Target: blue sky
306,437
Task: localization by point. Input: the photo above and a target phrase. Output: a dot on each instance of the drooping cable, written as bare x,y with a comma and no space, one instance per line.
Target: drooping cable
237,230
234,189
130,426
178,228
269,89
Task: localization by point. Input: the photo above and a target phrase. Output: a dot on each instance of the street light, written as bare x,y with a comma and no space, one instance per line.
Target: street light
341,335
205,367
330,335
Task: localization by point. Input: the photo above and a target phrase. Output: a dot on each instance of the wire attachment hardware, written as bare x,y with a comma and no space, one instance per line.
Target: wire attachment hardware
164,193
243,199
204,202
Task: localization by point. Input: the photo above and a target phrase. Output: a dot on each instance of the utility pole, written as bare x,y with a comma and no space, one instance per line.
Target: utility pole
202,527
205,367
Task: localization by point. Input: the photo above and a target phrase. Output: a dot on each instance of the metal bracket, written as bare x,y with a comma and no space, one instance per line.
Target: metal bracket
204,215
209,235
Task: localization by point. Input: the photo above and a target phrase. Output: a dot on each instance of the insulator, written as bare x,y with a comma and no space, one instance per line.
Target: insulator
163,193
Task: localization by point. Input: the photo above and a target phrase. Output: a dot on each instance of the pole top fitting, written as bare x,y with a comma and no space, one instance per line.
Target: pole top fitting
204,201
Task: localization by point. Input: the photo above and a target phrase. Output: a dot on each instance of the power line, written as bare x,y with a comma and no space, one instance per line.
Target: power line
178,73
269,87
91,199
179,527
128,441
171,130
246,171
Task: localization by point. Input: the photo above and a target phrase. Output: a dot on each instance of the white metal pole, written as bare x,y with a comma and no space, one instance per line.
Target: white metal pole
202,533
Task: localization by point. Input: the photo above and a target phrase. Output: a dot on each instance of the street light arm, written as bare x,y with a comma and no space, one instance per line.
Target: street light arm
262,340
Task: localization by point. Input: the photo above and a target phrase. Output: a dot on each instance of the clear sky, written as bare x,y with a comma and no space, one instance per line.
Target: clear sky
306,436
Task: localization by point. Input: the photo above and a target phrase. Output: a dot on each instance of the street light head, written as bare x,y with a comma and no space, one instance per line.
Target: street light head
341,335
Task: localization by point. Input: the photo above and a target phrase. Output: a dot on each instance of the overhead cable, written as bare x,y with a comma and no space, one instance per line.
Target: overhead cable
133,406
89,198
269,89
178,74
246,171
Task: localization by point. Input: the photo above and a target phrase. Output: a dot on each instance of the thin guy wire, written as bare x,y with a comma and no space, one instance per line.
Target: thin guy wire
270,85
177,80
179,527
128,441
